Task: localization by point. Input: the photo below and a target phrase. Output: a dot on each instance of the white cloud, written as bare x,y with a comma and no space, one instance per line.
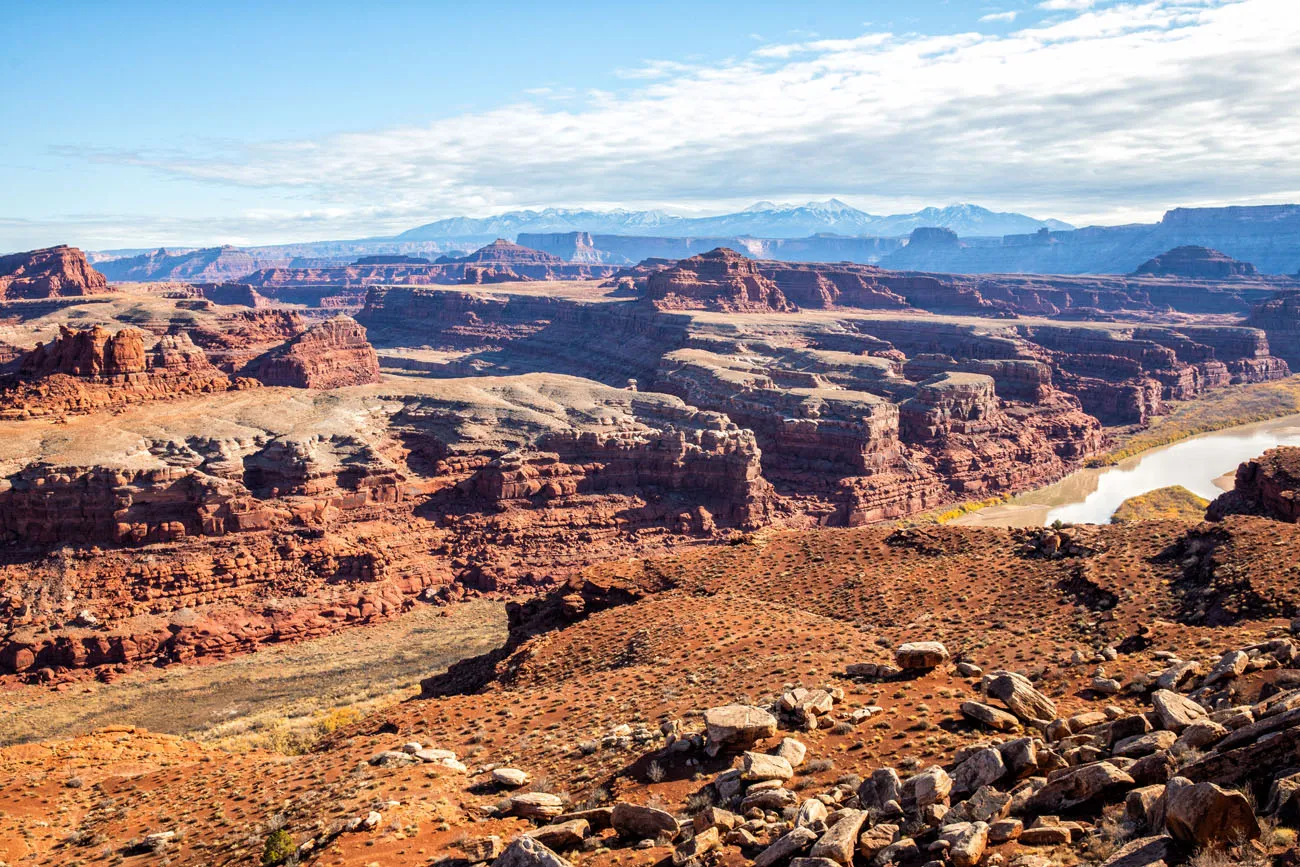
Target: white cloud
1138,106
1067,4
1000,16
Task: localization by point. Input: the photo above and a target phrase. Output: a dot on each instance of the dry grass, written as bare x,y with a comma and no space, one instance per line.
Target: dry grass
1174,503
1224,408
281,698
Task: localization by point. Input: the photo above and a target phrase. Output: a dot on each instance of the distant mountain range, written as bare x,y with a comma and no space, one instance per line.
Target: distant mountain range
761,220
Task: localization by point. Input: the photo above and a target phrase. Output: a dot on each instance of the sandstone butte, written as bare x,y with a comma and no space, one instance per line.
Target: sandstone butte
55,272
676,483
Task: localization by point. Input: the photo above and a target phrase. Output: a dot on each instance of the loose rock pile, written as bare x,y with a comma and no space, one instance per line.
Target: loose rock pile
1040,791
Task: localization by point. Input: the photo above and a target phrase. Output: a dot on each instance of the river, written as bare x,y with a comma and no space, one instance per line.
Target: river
1203,464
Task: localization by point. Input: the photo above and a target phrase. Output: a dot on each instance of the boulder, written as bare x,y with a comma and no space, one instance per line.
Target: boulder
792,751
987,715
785,847
736,727
840,841
966,842
478,850
981,769
1176,712
638,822
812,814
986,805
758,767
1020,697
875,839
1229,667
527,852
1144,745
921,655
1005,830
509,777
882,787
536,805
561,835
1206,814
703,842
931,786
1143,852
1070,788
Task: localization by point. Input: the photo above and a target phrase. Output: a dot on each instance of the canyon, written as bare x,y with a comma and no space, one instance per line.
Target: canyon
627,460
470,439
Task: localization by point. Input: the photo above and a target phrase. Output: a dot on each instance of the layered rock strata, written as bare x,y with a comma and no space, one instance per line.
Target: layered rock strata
83,371
330,355
55,272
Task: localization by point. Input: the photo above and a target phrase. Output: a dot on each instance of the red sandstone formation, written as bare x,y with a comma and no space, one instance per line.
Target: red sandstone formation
718,280
1199,263
83,371
330,355
1269,485
55,272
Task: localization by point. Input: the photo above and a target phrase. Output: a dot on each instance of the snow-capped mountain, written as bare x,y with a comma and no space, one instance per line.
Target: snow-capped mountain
760,220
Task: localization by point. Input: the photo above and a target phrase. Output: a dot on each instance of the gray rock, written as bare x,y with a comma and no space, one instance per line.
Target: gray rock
1019,695
561,835
758,767
785,847
1144,745
527,852
737,726
839,843
1143,852
792,751
536,805
987,715
510,777
1175,711
966,842
931,786
981,769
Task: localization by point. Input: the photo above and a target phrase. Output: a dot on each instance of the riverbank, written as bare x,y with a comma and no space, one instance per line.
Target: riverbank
1198,463
1219,410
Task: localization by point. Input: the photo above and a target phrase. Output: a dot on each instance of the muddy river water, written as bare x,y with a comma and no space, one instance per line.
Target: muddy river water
1204,464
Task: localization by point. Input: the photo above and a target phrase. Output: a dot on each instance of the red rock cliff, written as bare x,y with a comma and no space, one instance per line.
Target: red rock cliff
330,355
54,272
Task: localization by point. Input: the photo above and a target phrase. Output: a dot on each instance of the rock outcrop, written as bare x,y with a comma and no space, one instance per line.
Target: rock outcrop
1268,485
333,354
1199,263
721,279
91,369
55,272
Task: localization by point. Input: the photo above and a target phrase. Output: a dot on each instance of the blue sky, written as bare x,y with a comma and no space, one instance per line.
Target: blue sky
135,124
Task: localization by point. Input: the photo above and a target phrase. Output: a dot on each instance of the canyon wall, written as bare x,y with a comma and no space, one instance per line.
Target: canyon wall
55,272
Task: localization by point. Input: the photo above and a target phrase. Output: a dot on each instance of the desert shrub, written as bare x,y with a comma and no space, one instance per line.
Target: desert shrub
278,848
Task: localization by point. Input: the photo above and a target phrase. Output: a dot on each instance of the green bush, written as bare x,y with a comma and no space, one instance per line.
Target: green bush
279,846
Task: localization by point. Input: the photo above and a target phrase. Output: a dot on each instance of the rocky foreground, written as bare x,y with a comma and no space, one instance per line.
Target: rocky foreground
1102,695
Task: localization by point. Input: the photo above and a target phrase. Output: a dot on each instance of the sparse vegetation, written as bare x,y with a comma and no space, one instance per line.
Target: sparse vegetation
1163,504
1217,410
279,847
